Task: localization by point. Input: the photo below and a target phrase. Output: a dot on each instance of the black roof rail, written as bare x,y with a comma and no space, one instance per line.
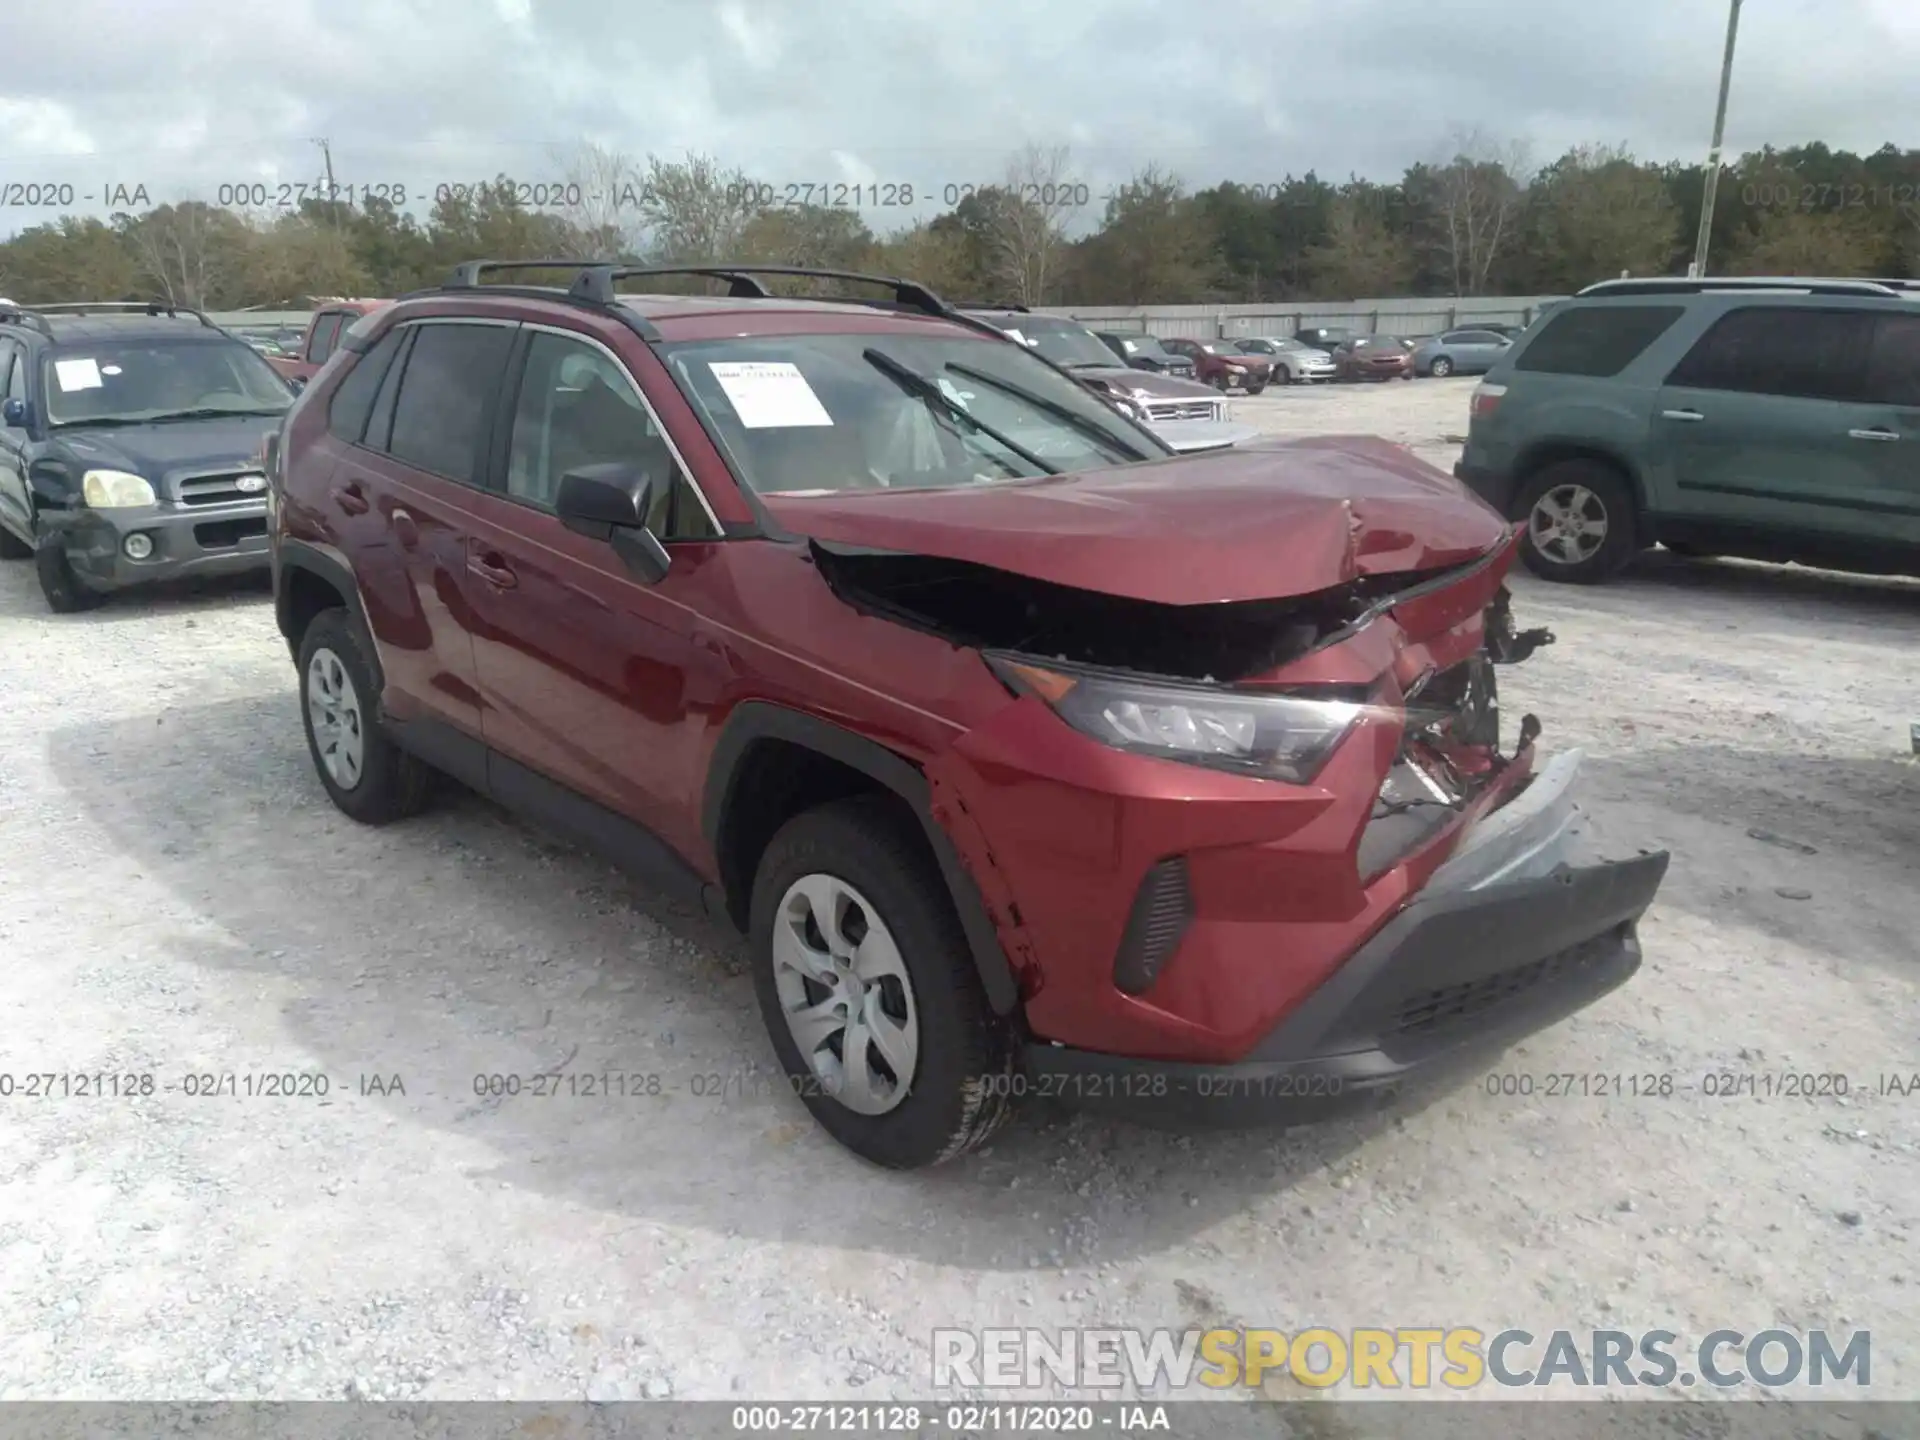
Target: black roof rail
126,307
1793,284
998,306
24,315
594,281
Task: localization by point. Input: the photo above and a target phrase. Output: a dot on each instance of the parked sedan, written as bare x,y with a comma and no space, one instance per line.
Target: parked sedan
1223,364
1375,357
1145,352
1325,337
1294,361
1460,352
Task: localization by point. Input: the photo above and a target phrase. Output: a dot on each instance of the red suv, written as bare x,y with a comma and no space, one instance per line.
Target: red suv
1033,758
1223,364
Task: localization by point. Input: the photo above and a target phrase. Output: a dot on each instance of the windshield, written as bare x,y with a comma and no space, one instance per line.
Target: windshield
1378,342
1068,345
135,381
817,414
1221,347
1145,345
1258,347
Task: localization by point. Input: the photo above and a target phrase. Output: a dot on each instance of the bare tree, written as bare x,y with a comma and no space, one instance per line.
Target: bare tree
187,249
1474,199
693,210
1027,235
606,188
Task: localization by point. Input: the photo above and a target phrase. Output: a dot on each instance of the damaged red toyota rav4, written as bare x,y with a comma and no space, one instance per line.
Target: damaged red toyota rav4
1033,758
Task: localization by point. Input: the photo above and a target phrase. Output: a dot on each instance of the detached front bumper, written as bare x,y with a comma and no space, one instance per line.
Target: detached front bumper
1513,934
187,541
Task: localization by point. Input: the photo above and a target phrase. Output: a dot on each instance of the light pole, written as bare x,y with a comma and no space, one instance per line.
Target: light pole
1699,267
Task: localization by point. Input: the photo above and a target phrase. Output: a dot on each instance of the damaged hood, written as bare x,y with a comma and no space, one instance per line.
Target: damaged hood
1256,522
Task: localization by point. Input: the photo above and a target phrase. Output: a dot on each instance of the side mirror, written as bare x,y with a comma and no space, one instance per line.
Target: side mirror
16,415
610,502
299,383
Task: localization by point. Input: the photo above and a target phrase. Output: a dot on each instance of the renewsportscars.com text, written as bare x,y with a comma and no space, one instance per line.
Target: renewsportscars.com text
1400,1357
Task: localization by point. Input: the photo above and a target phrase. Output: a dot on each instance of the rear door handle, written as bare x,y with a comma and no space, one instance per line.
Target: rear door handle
1692,415
1874,434
351,498
489,569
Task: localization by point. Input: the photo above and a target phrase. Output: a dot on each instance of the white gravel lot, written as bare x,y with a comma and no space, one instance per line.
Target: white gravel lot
177,897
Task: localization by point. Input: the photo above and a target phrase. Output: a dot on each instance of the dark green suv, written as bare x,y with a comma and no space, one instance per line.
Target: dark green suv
1769,419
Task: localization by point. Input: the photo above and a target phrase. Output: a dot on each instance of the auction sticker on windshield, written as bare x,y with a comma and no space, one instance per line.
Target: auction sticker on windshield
78,374
769,394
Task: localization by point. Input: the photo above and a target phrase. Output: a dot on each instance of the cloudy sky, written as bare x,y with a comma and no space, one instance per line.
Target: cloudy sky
183,96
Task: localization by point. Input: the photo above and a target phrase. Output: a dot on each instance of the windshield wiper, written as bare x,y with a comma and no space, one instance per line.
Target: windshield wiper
1090,428
916,384
97,422
212,412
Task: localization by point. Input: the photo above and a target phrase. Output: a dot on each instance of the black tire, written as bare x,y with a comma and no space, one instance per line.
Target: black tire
1610,491
961,1090
66,594
390,784
12,547
1256,389
1441,367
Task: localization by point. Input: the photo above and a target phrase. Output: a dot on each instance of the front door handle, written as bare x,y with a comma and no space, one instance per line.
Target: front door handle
404,527
1873,434
1689,415
490,569
351,498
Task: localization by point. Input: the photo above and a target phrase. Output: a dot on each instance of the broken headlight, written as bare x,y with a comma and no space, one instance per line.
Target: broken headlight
1273,735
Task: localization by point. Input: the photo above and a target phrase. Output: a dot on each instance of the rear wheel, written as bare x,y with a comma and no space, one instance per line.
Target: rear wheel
868,989
1441,366
1256,387
1580,522
366,775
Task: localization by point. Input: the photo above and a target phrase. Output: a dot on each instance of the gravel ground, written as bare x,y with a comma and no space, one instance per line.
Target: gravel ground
177,897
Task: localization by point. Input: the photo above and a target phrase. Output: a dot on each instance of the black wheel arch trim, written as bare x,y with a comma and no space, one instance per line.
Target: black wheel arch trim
755,721
299,555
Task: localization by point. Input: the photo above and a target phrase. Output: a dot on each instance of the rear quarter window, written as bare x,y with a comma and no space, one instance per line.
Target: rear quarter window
1596,340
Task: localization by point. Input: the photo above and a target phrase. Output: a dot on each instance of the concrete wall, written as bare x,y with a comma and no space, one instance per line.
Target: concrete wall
1410,318
1403,316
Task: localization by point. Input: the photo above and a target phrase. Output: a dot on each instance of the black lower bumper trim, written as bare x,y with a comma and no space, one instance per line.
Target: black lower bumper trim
1450,980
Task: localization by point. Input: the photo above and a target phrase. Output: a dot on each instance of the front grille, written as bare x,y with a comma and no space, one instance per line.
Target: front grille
216,489
1184,409
1434,1012
225,534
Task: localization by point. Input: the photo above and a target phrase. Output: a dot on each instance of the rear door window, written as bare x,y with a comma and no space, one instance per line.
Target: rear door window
447,397
1597,340
1781,350
352,403
1893,367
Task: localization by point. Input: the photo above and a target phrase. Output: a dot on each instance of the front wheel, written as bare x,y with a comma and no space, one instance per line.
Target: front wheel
1256,387
868,989
1580,522
65,593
